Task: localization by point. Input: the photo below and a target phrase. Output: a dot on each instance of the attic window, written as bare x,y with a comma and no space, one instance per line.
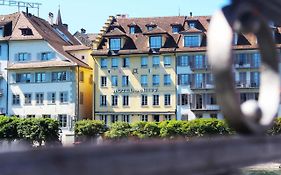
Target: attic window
1,32
192,25
175,29
150,26
26,31
132,30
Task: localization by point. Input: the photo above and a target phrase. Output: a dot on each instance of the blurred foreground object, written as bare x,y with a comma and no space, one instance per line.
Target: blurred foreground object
247,16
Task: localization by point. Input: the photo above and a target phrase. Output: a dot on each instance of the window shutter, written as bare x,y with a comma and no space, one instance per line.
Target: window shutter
13,78
16,57
53,55
29,56
69,76
39,56
32,77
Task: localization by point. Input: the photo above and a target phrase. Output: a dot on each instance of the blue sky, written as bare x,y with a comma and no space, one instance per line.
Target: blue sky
91,14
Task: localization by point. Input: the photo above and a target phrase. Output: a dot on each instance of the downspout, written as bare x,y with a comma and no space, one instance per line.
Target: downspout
7,95
78,94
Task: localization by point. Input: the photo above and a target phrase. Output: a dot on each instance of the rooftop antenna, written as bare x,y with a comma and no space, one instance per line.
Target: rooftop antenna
20,4
179,11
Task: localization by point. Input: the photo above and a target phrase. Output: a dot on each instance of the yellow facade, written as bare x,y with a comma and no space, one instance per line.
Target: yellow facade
85,85
135,111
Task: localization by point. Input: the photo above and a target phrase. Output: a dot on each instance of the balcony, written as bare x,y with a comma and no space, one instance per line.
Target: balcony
246,85
1,92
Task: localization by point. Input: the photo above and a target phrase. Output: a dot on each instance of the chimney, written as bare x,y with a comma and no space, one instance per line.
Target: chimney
27,11
190,14
83,31
65,26
51,18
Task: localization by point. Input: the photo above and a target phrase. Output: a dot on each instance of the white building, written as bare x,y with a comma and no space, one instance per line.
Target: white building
43,79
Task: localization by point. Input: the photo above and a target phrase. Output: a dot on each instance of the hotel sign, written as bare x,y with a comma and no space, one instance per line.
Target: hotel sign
133,91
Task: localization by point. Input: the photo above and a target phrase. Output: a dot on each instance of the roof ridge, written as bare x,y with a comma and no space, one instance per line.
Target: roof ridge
153,17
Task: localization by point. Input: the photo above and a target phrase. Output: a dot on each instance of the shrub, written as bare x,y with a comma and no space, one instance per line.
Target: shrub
171,129
205,127
118,130
89,128
145,130
38,130
8,128
276,128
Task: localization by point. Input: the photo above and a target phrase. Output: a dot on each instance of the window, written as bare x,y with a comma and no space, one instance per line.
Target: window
103,101
256,60
132,30
150,27
155,61
103,81
144,101
126,118
40,77
23,78
184,99
115,44
114,62
167,100
199,80
144,118
167,79
45,56
155,42
91,79
126,100
39,98
30,116
63,120
63,97
167,61
51,98
155,80
1,32
103,118
184,79
144,80
175,29
46,116
81,76
59,76
192,25
125,81
16,100
168,117
27,99
192,41
114,100
144,62
114,118
255,79
184,61
126,62
26,31
23,57
81,98
155,100
0,50
199,61
103,63
114,81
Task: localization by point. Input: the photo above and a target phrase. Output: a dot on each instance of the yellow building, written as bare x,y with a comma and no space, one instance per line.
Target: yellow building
135,71
85,85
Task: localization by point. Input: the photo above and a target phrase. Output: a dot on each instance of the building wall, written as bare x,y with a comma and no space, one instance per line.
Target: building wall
46,108
3,76
86,87
135,109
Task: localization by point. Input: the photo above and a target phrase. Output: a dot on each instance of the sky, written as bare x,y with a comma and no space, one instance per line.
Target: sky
92,14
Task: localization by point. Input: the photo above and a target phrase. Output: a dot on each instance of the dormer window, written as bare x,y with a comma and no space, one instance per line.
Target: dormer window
26,31
175,29
115,44
149,28
155,42
192,41
1,32
192,25
132,30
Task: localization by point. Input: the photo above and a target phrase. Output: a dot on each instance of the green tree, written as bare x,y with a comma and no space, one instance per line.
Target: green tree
89,129
145,130
119,130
